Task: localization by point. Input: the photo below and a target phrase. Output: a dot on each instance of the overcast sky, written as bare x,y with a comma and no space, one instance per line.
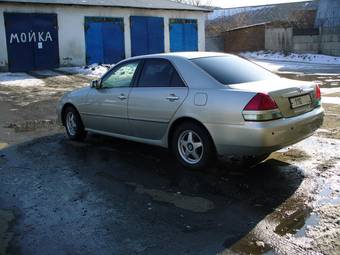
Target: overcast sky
239,3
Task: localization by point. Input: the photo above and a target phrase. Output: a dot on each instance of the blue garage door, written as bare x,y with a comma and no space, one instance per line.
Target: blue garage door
104,40
183,35
147,35
32,41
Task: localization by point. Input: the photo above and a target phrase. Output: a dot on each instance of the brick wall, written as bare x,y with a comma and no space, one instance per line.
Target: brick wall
245,39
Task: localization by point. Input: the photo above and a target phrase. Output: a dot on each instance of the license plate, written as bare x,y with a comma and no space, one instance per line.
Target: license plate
299,101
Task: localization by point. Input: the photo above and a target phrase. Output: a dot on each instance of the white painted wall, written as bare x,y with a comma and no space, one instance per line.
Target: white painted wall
71,21
3,46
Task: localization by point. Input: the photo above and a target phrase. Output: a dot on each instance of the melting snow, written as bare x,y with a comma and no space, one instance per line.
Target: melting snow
293,57
91,70
331,100
326,91
19,80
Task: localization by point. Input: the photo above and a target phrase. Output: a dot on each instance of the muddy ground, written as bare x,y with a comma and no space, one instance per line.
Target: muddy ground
108,196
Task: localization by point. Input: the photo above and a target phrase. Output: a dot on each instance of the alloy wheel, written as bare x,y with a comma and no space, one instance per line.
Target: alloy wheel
71,124
190,147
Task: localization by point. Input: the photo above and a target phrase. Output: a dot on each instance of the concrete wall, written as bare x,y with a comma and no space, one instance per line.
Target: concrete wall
330,43
71,27
279,39
282,39
306,44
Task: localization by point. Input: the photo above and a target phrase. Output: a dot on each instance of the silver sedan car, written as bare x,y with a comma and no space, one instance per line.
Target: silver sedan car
200,105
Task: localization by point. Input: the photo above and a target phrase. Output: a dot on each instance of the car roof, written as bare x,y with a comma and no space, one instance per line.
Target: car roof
185,55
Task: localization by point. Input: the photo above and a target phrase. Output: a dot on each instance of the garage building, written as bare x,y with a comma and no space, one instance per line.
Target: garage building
45,34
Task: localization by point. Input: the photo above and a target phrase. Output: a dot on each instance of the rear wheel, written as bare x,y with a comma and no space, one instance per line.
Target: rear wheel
193,146
74,126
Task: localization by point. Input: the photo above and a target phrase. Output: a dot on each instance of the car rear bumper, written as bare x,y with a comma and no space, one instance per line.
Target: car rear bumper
257,138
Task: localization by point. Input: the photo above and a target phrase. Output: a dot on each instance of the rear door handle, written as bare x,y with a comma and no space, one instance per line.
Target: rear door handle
172,98
122,97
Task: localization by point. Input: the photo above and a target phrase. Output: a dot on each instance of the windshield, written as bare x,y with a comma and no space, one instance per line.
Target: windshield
232,69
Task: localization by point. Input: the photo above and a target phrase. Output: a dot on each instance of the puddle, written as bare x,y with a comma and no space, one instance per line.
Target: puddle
194,204
293,222
190,203
6,218
312,220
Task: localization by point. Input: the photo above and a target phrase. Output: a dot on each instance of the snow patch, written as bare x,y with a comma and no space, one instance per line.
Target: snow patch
236,10
19,80
331,100
94,70
326,91
298,68
292,57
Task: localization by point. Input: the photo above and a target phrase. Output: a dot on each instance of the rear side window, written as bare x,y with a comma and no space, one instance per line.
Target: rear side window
232,69
159,73
176,80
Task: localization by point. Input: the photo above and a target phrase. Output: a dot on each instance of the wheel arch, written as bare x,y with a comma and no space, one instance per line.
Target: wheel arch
179,122
65,106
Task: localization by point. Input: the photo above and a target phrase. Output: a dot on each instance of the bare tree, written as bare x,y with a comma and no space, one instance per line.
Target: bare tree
195,2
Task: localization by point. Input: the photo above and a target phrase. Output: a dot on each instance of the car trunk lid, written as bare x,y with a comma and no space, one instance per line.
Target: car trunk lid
292,97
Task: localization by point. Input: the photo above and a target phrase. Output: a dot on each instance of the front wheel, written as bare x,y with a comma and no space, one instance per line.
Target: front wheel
193,146
74,126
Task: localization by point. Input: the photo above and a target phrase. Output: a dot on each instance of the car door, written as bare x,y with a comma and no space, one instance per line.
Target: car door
155,98
106,107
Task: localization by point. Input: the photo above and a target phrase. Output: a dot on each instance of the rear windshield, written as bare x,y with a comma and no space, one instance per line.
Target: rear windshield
232,69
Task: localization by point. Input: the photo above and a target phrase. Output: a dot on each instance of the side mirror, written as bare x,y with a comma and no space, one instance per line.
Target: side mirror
95,84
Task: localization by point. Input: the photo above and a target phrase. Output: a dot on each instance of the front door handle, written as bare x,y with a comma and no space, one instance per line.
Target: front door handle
172,98
122,97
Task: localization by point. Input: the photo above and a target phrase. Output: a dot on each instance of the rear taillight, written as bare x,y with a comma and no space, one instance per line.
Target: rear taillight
261,108
261,102
317,95
317,92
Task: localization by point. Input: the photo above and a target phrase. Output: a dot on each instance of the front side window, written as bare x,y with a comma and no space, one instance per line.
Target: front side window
159,73
232,69
121,77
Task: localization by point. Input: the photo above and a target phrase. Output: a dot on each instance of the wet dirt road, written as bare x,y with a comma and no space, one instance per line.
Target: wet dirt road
108,196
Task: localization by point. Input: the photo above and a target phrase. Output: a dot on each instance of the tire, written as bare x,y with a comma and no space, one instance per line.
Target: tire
186,137
73,124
